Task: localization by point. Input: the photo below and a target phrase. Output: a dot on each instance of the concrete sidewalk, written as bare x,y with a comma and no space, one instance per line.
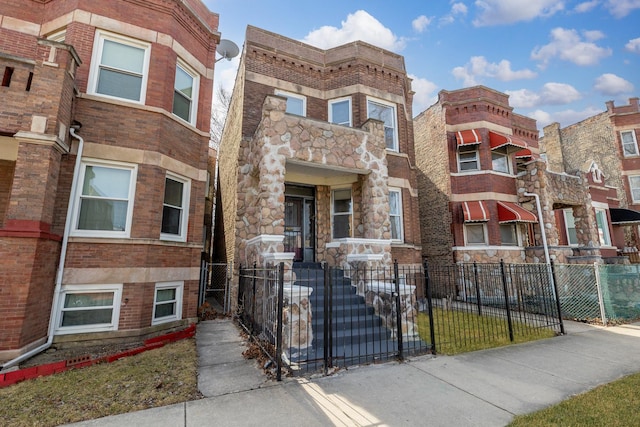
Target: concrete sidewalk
482,388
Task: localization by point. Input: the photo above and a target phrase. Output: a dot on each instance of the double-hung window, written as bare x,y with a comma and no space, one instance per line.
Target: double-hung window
475,234
634,188
119,67
105,199
570,226
167,303
385,112
629,143
296,104
175,209
89,308
468,159
395,213
603,227
340,111
500,162
509,234
341,213
185,93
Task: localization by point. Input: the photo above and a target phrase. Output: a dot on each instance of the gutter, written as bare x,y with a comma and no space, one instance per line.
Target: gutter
63,257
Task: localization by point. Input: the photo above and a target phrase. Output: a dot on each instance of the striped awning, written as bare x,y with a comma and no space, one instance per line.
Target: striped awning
513,212
468,137
525,153
475,211
510,142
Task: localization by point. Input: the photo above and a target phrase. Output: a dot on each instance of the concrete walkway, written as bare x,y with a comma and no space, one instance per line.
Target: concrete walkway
482,388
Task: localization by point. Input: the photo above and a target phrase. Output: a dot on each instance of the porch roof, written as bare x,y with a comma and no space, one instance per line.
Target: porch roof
622,216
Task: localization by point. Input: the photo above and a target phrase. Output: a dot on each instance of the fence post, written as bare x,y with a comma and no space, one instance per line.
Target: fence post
557,295
253,297
427,284
603,313
398,311
506,299
326,327
279,319
477,283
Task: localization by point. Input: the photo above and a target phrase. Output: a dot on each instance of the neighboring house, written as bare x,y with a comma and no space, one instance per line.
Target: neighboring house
608,143
317,157
107,245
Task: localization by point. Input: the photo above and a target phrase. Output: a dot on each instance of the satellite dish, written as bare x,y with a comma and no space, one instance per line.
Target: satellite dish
227,50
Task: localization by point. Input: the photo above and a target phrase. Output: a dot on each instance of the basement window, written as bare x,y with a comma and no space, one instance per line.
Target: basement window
89,308
167,303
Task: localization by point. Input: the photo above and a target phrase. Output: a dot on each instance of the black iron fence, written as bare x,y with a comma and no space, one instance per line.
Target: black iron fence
310,318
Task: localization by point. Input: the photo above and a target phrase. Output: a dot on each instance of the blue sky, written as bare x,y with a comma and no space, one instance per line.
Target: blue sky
559,60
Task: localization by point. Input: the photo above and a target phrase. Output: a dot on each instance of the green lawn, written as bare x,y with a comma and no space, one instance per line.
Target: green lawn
462,331
616,404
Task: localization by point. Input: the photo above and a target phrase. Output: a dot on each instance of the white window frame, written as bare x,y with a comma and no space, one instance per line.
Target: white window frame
506,158
184,209
468,149
484,232
100,37
566,213
177,315
516,234
116,289
380,102
634,190
633,144
603,226
334,214
295,96
195,89
339,101
75,231
400,237
58,36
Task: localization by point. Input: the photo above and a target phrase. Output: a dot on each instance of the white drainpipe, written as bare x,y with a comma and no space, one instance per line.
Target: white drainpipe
543,233
63,256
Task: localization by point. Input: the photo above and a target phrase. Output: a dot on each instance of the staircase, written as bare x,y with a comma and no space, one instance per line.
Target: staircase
357,333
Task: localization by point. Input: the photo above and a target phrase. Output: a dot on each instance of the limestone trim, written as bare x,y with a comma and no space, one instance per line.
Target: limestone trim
364,257
479,124
8,148
487,247
88,276
266,238
483,172
144,157
134,241
484,196
15,24
42,139
355,241
276,257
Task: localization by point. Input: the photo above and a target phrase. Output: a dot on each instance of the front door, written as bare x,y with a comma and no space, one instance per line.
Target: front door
299,224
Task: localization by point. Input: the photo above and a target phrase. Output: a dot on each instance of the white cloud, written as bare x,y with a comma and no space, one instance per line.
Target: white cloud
500,12
610,84
568,45
565,118
621,8
457,9
421,23
633,45
425,93
551,94
586,6
478,67
358,26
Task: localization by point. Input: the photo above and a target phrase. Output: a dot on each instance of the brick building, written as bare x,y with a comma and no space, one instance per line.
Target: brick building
608,143
104,130
317,157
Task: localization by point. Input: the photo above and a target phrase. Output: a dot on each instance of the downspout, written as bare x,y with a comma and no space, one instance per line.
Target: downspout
543,233
63,256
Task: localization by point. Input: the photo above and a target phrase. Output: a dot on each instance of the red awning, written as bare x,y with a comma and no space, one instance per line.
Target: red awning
475,211
468,137
512,212
499,140
525,153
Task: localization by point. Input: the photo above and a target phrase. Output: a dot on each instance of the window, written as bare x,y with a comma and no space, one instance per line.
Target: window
468,159
175,208
167,303
341,213
119,67
500,162
629,143
603,227
185,93
89,308
475,234
296,104
509,234
340,111
570,225
395,213
634,187
386,113
105,199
